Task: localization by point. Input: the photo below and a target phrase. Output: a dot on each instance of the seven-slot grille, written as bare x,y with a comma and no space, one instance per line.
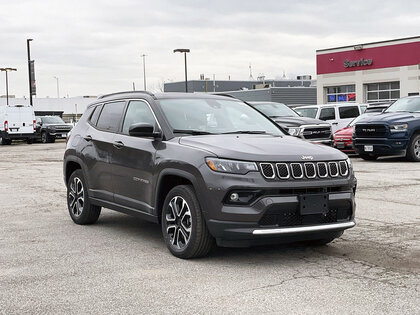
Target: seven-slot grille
307,170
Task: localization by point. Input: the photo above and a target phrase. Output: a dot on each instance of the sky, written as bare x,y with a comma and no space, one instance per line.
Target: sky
95,46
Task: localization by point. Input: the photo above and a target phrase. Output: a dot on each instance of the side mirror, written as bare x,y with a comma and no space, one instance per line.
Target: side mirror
143,130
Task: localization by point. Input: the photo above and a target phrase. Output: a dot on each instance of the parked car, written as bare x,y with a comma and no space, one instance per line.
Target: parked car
17,122
337,114
49,128
377,107
210,169
396,131
343,137
314,130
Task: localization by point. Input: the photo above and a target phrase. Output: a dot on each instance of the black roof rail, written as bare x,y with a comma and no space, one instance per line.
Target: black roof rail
226,95
126,92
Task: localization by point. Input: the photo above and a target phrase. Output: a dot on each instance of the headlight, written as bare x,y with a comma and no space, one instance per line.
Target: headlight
350,165
231,166
398,128
294,131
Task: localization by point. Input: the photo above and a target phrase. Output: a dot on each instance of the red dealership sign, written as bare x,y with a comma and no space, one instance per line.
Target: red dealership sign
369,58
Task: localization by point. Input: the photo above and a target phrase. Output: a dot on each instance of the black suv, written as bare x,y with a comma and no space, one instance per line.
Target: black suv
307,128
209,169
49,128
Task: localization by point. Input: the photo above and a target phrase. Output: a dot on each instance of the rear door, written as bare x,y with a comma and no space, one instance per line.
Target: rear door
347,114
99,136
20,119
133,160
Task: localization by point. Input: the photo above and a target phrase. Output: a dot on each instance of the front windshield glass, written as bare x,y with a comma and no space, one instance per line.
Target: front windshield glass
215,116
52,120
307,112
275,109
411,105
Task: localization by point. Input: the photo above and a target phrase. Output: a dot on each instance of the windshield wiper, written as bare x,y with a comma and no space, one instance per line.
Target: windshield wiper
256,132
192,132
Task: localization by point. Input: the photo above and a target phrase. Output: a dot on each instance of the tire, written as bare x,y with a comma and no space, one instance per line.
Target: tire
80,210
368,157
30,141
413,150
5,141
51,139
183,226
44,137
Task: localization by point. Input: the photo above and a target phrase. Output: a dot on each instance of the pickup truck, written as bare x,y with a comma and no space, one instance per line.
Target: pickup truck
396,131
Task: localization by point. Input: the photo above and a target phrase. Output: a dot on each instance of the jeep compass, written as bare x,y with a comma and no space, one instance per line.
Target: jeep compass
209,169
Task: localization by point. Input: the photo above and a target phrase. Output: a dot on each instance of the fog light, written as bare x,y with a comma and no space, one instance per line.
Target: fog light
234,197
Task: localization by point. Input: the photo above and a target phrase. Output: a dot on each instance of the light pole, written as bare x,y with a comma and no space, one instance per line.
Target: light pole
144,70
29,69
7,82
58,87
185,51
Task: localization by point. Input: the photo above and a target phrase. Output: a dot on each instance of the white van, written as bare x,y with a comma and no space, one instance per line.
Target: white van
339,115
17,122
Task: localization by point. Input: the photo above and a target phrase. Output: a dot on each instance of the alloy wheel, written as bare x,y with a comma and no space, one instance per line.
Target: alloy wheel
417,148
76,197
178,222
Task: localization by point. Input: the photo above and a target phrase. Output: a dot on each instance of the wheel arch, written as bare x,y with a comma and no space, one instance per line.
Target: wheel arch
72,164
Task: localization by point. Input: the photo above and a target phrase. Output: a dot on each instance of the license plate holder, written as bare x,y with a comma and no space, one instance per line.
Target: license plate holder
313,204
368,148
340,145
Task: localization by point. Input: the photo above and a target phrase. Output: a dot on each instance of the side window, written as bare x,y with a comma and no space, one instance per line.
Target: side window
362,109
348,111
137,112
110,117
95,115
327,113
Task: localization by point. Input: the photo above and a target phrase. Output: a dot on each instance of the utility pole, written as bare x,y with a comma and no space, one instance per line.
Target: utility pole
29,70
58,87
185,51
7,82
144,70
214,82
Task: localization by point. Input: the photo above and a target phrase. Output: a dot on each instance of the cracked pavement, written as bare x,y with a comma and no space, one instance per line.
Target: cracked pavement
120,265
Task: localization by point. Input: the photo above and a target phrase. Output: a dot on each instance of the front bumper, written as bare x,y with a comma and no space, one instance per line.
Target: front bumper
382,146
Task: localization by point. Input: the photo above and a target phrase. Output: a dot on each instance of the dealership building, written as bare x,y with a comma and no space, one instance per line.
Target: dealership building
367,73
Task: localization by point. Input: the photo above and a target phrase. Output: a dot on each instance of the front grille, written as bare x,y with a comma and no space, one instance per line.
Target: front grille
317,133
307,170
370,131
267,170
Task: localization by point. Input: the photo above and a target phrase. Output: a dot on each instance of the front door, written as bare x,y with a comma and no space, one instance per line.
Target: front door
133,160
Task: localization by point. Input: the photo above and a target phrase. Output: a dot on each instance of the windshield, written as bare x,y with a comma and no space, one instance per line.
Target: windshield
52,120
275,109
215,116
307,112
411,105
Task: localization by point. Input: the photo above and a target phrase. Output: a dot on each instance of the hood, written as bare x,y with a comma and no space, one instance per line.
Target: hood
297,121
348,131
261,148
390,118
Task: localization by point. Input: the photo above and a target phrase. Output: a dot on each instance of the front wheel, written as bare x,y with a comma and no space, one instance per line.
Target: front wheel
183,226
413,151
80,209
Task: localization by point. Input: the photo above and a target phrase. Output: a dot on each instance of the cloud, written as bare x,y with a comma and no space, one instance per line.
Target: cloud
95,46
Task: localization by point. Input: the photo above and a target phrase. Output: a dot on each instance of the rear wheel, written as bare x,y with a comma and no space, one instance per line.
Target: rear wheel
5,141
80,209
44,137
413,151
368,157
30,141
183,226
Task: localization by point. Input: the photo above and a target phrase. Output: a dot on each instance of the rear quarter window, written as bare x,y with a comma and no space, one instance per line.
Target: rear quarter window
95,115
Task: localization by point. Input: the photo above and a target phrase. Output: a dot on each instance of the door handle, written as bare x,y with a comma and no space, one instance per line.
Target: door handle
118,144
88,138
335,123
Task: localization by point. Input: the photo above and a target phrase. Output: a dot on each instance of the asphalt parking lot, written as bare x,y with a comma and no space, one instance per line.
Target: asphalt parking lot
121,265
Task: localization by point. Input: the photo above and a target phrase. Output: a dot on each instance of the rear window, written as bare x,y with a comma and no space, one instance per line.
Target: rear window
348,111
110,117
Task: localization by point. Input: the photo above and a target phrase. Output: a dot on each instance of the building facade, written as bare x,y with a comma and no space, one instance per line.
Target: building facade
367,73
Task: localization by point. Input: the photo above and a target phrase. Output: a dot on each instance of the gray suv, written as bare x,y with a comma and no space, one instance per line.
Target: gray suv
210,169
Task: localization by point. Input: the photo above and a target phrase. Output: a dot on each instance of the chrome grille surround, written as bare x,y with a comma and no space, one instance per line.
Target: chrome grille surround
265,170
284,166
299,166
332,165
324,167
344,168
308,166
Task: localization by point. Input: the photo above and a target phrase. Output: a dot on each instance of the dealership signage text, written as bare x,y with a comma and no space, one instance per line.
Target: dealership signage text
357,63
